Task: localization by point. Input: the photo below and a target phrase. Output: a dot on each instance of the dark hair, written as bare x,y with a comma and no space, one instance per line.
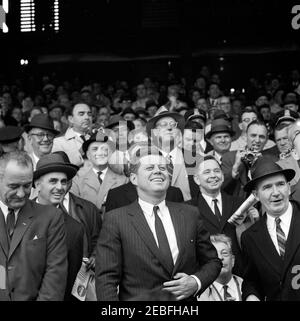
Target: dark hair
258,123
69,111
281,126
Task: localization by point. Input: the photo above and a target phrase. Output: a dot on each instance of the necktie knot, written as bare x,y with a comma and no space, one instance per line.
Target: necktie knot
83,137
277,220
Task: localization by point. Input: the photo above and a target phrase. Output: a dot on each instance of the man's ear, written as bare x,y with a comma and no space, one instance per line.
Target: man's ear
70,119
254,192
240,126
197,180
133,179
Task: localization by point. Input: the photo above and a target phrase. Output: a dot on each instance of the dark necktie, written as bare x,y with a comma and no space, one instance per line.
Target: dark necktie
281,239
83,137
170,166
217,211
99,177
10,222
163,243
227,296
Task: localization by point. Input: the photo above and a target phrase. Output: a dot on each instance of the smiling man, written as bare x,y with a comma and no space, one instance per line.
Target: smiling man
41,133
219,137
94,184
153,244
271,245
215,206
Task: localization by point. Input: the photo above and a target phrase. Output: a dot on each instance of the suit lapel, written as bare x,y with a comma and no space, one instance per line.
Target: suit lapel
3,234
23,222
206,211
141,226
106,185
91,180
293,240
178,221
265,244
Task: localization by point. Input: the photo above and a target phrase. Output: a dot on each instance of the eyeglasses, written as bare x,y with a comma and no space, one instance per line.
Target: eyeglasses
166,124
40,136
248,120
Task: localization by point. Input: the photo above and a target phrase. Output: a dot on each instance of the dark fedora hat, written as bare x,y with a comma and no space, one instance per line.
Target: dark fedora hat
101,136
163,112
10,134
194,114
41,121
266,167
54,162
220,126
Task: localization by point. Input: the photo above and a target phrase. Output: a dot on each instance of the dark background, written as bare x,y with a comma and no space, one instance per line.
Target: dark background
114,39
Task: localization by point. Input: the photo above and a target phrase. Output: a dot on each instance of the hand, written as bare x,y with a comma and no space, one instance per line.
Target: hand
237,163
182,286
91,263
252,297
253,214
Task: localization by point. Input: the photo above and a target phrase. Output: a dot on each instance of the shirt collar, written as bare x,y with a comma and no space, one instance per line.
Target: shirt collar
231,286
209,199
285,218
104,171
148,207
4,208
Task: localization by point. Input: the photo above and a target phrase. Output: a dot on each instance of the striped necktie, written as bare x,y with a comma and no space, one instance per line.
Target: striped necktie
281,239
170,166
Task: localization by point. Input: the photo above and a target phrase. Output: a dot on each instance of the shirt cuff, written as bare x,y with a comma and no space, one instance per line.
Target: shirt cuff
198,283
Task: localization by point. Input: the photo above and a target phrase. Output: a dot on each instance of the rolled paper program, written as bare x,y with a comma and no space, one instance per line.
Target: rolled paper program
239,215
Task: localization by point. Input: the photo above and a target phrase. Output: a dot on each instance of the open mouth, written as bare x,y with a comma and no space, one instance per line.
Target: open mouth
158,180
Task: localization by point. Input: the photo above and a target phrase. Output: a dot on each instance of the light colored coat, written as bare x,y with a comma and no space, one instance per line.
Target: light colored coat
86,185
71,144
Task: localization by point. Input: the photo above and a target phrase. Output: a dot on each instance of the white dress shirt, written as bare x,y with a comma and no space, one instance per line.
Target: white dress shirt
232,289
284,224
102,176
211,204
4,210
165,217
66,202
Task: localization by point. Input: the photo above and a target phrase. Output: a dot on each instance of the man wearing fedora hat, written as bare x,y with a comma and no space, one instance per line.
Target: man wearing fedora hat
51,181
80,119
219,137
165,130
10,137
40,132
33,253
271,245
93,184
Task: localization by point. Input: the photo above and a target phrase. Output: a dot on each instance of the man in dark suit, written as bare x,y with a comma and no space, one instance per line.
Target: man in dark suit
33,253
51,181
127,194
209,178
235,169
271,245
152,243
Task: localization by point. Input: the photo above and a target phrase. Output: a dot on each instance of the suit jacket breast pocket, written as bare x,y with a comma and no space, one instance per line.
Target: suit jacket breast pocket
37,243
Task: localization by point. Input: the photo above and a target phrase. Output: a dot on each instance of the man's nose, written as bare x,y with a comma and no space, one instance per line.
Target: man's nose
20,192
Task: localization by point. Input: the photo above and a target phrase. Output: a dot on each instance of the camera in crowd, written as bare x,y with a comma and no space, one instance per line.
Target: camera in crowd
250,157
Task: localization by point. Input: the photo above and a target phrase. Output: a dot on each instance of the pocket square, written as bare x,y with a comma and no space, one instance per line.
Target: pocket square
35,238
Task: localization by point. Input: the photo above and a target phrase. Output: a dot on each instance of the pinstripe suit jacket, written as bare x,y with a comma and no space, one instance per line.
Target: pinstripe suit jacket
127,255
